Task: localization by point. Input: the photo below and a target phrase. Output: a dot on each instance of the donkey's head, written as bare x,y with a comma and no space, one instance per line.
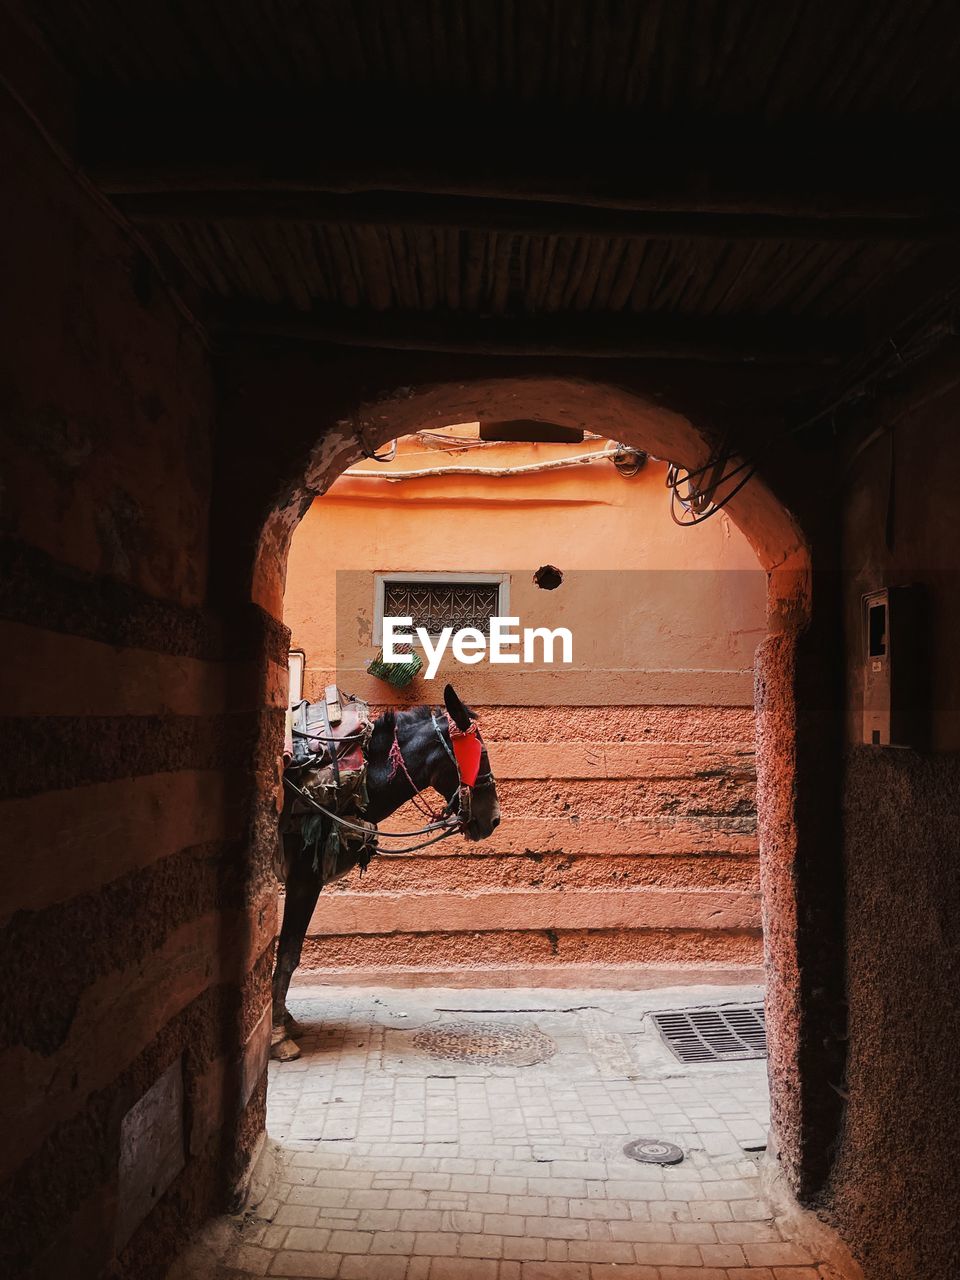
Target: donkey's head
439,747
468,779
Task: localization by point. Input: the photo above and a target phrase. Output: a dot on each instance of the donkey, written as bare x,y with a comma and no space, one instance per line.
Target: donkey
408,752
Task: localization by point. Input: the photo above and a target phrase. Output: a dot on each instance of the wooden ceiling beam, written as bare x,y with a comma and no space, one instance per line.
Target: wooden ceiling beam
524,216
591,336
431,159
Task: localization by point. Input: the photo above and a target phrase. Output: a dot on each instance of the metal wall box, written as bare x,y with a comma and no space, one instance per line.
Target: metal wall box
894,668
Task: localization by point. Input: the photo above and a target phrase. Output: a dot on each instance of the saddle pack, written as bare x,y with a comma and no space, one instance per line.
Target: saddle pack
325,765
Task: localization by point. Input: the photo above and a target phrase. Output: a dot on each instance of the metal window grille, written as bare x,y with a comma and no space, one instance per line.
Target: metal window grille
436,605
725,1034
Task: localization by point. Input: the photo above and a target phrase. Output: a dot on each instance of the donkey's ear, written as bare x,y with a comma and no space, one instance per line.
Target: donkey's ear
455,709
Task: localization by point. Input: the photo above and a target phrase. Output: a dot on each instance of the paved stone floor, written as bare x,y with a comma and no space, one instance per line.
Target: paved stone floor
398,1164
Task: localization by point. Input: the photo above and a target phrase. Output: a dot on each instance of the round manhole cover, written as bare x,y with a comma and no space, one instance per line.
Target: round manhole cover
653,1151
495,1043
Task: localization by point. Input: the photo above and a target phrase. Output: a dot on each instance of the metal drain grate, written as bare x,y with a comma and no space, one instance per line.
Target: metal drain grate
726,1034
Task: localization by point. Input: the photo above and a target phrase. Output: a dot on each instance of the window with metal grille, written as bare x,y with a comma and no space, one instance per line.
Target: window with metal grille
436,601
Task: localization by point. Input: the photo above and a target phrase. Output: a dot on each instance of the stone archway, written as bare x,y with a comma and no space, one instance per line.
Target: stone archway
612,411
331,420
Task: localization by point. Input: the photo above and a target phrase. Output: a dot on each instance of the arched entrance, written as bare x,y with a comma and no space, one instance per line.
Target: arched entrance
796,764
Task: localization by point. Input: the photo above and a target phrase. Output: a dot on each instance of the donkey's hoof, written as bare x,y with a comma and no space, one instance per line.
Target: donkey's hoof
290,1025
284,1050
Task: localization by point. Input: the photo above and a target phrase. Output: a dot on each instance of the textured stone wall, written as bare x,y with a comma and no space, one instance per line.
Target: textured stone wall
134,939
896,1184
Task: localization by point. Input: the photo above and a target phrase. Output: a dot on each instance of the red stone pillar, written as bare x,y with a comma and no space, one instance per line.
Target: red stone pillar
799,774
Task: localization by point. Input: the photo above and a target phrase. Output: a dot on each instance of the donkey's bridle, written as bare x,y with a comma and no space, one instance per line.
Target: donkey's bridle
466,784
397,762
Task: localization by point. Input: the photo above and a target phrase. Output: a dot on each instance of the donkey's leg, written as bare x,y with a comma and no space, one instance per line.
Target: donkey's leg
303,889
291,849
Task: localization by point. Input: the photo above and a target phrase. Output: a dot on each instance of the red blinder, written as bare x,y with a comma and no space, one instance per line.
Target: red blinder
468,748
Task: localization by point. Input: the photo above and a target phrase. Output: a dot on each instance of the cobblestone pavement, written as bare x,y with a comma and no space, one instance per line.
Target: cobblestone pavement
401,1165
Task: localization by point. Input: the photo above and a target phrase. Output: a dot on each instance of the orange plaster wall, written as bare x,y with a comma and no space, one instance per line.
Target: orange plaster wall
627,780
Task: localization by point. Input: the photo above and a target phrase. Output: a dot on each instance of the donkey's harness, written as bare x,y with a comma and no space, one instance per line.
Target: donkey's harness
325,772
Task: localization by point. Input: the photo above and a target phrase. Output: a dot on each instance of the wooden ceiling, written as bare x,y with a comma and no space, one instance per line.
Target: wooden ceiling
724,56
720,181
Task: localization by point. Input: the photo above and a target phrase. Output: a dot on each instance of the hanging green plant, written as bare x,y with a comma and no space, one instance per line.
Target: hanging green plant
398,674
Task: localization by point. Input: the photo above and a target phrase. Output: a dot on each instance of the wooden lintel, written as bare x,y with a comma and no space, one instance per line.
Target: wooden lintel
597,337
522,216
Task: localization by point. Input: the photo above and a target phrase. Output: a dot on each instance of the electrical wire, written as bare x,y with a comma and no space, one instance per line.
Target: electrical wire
529,468
928,324
714,507
382,457
456,444
629,462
